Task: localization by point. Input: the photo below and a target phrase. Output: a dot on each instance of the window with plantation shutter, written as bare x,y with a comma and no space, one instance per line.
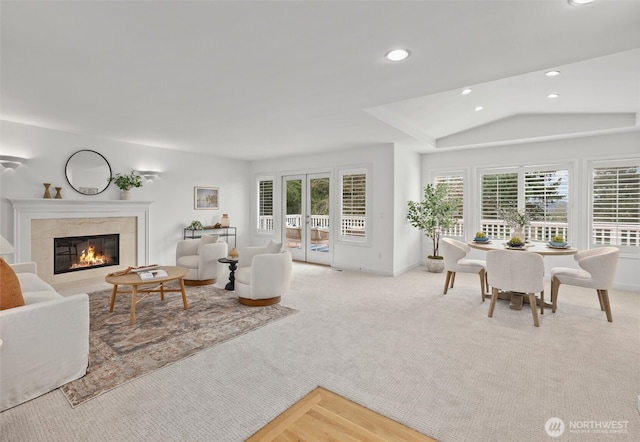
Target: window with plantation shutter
353,205
546,195
455,183
265,205
616,205
499,192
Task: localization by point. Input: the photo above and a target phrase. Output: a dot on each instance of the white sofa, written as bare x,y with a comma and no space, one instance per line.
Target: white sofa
263,275
201,258
45,343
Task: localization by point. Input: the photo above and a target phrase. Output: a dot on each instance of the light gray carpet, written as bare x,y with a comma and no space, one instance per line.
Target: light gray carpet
396,345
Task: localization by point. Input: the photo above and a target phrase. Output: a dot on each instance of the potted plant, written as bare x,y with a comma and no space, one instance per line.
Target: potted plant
433,215
517,220
126,182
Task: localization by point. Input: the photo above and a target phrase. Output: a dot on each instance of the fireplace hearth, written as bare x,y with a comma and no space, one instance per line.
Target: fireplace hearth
76,253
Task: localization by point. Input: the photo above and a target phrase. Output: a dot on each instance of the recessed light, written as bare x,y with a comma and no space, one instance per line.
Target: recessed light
579,2
397,55
553,95
552,73
465,91
478,108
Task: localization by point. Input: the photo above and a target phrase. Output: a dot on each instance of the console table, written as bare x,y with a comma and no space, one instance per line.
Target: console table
221,231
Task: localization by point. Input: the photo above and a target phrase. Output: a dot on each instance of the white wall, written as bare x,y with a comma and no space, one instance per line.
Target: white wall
375,257
172,193
407,247
576,152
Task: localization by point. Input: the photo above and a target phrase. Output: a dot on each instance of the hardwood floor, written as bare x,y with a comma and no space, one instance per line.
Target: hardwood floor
325,416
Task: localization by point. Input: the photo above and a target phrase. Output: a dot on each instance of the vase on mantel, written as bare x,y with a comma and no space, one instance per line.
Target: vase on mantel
125,195
58,194
47,194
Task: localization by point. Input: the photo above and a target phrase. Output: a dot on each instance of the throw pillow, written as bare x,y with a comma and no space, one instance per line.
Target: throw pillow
207,239
10,291
274,247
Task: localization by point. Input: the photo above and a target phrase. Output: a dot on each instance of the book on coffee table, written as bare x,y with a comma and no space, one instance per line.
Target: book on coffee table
152,274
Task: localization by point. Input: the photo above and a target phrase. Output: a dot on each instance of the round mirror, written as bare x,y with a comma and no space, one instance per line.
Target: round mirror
88,172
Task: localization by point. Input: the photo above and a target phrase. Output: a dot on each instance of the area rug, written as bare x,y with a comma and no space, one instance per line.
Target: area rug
163,333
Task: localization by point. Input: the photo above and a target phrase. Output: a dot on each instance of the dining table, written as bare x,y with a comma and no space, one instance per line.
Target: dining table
539,247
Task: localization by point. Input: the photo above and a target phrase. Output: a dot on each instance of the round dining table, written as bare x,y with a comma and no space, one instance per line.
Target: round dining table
539,247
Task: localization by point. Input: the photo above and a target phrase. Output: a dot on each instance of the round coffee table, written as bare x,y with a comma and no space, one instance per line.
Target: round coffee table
134,280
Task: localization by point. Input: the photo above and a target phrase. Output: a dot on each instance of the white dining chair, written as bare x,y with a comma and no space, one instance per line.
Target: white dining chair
516,271
597,270
454,253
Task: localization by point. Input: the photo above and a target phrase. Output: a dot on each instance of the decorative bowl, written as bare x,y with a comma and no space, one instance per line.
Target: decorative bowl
516,245
558,244
485,239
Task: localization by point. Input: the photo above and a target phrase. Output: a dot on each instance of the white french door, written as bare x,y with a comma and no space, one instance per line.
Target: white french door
307,230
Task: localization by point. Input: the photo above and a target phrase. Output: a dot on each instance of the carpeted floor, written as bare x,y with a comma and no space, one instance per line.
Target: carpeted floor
163,333
395,345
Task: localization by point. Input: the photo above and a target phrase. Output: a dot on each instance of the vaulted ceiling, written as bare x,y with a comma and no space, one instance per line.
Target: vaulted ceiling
263,79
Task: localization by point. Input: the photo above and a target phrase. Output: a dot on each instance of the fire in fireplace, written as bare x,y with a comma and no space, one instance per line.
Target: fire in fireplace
74,253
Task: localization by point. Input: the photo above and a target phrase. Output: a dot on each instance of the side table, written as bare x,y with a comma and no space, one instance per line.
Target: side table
233,265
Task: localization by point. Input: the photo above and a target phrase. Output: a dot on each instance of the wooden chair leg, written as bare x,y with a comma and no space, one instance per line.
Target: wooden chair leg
555,286
542,302
453,278
482,279
494,297
446,282
600,300
486,281
607,305
534,309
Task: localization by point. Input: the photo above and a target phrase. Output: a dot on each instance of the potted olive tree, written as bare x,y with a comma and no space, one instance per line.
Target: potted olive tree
126,182
433,215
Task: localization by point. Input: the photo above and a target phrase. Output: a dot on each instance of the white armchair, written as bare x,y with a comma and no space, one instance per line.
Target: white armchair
263,275
597,271
201,256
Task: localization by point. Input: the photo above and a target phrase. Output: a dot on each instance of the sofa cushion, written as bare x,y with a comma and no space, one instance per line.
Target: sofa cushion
40,296
10,291
274,247
207,239
30,282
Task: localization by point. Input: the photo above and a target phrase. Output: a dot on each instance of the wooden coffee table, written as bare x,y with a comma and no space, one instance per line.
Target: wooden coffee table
132,279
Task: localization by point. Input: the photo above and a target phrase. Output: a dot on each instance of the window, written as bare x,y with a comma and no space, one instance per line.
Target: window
616,205
544,192
456,190
265,205
353,205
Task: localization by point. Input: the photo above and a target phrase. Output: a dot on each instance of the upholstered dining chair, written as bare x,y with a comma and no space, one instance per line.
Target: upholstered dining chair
597,270
516,271
454,253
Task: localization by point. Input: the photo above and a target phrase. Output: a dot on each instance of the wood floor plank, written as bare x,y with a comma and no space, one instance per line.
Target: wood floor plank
325,416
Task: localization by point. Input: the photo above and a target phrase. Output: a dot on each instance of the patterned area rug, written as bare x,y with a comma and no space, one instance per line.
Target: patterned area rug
163,333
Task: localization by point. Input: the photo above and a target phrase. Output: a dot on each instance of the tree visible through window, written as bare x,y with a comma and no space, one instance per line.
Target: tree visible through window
455,185
265,205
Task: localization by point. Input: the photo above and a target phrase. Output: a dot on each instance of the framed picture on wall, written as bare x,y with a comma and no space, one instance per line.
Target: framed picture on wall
206,198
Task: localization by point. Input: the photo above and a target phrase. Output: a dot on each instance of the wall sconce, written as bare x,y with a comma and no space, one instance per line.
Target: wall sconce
9,162
149,175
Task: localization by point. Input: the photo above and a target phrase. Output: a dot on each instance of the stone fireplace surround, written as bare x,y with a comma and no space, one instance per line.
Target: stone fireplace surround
37,221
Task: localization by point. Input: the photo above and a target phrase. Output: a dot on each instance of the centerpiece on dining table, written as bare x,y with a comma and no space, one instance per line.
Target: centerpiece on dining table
517,219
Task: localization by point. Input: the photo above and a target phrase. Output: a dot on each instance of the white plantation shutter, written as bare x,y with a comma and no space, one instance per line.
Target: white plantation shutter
456,190
353,204
546,196
616,205
499,192
265,205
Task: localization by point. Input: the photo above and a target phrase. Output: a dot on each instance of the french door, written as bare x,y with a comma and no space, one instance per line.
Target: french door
307,229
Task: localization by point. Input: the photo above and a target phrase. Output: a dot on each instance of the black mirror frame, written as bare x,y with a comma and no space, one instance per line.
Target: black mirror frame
66,167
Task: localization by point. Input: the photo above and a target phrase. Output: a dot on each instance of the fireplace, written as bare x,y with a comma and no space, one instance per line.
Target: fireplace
75,253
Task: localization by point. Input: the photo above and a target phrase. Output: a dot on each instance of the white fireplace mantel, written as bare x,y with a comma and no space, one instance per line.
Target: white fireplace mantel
28,209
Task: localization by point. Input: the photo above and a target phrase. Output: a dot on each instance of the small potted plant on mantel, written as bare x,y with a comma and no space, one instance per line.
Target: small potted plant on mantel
433,215
126,182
